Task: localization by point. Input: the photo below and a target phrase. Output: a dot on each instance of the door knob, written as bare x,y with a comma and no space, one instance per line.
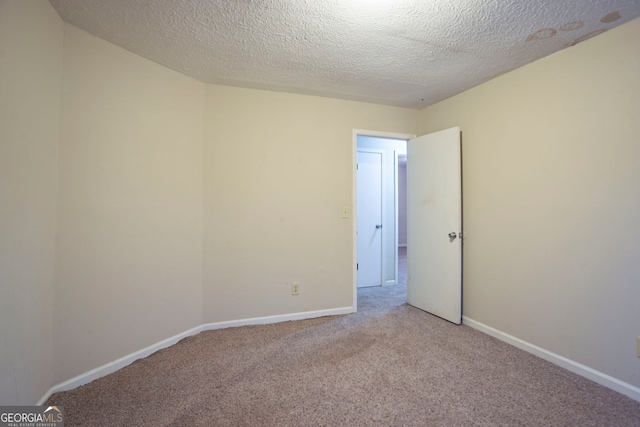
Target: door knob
452,235
378,226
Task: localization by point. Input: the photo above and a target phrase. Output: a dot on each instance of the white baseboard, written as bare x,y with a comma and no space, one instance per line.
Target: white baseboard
389,282
45,397
277,319
120,363
596,376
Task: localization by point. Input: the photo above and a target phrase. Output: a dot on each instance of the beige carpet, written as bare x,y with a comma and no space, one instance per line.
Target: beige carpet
388,365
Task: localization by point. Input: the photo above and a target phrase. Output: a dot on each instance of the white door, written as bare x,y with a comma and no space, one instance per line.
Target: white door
369,199
434,224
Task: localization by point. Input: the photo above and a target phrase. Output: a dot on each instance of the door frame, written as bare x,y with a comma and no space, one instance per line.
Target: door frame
354,200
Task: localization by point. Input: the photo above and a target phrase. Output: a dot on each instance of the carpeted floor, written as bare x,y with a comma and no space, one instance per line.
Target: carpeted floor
388,365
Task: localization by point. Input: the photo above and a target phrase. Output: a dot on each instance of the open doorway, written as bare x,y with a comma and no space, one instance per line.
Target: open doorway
380,248
434,224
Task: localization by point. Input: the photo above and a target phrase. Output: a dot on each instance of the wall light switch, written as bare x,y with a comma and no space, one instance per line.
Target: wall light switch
346,212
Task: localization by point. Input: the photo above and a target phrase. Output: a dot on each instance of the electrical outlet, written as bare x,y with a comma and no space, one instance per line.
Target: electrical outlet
295,288
346,212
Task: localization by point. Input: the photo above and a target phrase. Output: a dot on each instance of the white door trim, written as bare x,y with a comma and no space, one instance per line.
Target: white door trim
354,216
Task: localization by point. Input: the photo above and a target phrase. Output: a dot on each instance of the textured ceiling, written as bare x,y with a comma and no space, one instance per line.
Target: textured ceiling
409,53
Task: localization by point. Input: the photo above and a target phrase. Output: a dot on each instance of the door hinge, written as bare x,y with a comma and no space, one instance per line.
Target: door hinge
357,266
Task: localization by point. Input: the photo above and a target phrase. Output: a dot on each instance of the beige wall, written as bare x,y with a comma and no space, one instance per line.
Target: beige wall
551,205
130,217
278,169
31,40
